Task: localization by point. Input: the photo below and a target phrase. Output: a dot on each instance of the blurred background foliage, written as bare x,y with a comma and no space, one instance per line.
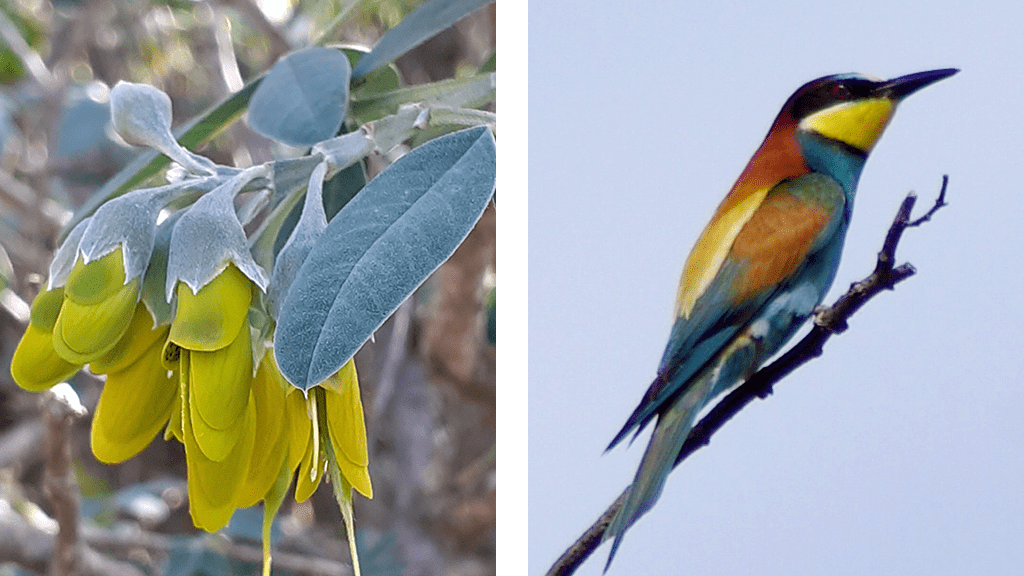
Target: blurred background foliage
427,377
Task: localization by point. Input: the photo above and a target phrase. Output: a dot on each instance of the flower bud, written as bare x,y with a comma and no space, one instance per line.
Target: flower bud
142,116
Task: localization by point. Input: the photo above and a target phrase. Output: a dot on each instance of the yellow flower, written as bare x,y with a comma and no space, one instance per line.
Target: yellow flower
213,486
85,321
328,430
336,414
344,411
139,394
210,342
77,323
36,365
273,441
245,435
212,331
98,305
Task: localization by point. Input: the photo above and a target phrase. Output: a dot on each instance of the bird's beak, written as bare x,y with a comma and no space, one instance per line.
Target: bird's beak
903,86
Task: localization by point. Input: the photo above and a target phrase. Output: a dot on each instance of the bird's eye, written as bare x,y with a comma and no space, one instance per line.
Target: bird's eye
840,91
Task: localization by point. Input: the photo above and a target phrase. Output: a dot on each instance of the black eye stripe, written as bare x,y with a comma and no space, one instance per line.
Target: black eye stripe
825,92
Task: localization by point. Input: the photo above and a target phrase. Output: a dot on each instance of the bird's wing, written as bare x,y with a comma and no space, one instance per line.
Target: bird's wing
792,222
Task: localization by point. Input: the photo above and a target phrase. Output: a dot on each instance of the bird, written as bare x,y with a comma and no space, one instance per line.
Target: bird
762,264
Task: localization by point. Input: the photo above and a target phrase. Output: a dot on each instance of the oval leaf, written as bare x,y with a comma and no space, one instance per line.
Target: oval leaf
303,98
379,248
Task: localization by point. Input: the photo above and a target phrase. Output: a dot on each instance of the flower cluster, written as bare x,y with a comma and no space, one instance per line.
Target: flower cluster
169,304
197,377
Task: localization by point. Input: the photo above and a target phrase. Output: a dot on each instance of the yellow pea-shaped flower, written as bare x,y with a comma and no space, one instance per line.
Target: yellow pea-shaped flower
138,395
219,387
211,318
97,308
210,337
271,445
347,428
213,486
36,365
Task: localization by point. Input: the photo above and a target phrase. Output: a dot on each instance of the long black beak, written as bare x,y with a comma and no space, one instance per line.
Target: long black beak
899,88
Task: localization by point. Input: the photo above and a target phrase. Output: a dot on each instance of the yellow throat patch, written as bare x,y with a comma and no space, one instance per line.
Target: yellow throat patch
858,124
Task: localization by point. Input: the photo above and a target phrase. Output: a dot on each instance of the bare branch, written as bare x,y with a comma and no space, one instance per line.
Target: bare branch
939,203
60,408
827,322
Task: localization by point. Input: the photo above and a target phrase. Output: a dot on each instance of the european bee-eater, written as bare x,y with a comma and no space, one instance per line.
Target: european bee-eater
763,263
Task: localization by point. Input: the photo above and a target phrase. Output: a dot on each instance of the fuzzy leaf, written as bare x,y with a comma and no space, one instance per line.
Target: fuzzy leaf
379,248
303,98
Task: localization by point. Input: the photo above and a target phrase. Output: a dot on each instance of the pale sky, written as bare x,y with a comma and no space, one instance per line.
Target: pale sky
901,449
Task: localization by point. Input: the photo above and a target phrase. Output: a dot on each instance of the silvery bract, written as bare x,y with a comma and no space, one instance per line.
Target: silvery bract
310,226
209,236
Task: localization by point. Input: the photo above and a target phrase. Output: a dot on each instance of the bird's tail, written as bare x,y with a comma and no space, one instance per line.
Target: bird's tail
669,435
